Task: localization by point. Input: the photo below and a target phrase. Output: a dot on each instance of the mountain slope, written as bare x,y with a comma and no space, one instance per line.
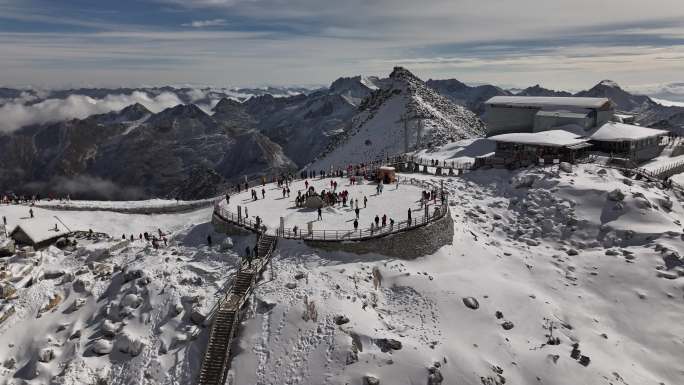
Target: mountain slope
464,95
180,152
379,130
302,124
538,90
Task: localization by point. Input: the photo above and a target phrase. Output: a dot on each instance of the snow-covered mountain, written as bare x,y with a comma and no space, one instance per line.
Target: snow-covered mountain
403,114
131,154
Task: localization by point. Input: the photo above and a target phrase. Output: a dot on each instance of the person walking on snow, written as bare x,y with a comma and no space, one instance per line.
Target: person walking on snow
356,223
31,212
357,212
377,221
320,214
409,216
365,201
263,193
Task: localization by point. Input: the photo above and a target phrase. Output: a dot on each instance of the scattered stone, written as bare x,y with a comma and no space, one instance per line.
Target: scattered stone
46,355
291,285
53,274
471,303
498,314
507,325
584,360
299,275
387,344
10,363
434,375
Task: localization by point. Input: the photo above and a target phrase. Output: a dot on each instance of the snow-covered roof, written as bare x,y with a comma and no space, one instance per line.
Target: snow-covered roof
41,229
549,101
615,132
551,138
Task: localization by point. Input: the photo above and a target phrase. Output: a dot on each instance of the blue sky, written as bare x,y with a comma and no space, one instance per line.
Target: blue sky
558,43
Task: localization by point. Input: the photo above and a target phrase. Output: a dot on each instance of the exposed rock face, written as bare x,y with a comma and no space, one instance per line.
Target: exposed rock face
464,95
302,124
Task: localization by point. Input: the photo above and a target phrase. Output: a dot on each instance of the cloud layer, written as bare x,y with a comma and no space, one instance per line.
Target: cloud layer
18,113
561,44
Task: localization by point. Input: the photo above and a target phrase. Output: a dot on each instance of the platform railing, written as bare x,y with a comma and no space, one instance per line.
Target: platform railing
438,211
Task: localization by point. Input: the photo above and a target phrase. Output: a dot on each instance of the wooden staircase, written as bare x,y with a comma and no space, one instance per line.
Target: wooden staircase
216,360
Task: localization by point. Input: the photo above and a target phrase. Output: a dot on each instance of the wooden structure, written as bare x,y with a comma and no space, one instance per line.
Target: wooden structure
225,316
386,174
38,234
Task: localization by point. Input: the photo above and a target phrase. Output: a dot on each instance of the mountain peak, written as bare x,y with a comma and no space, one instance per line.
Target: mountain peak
608,83
226,103
401,73
183,110
135,109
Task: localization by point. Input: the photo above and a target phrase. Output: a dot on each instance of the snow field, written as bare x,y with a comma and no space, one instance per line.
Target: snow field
592,275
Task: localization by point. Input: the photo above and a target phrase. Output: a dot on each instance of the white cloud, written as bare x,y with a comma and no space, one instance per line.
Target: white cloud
17,114
206,23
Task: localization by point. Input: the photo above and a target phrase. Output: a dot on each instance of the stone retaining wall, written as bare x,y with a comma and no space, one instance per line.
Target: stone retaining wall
408,244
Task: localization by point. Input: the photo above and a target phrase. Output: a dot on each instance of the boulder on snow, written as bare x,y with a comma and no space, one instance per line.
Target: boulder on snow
370,380
507,325
126,343
109,328
102,346
341,319
565,167
616,195
53,274
299,275
471,303
131,300
46,355
434,376
82,285
77,304
291,285
523,181
572,251
387,344
130,275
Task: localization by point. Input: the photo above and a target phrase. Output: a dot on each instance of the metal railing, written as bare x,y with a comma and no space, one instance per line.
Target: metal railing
439,210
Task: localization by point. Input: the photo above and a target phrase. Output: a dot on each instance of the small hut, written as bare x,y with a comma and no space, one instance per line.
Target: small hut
386,174
38,233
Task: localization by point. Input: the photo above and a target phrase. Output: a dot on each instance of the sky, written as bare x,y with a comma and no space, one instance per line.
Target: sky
557,43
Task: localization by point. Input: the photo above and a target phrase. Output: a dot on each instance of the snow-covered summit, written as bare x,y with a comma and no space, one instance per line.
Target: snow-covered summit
404,114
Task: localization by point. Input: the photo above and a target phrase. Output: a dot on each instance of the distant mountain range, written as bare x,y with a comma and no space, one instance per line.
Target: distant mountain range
215,136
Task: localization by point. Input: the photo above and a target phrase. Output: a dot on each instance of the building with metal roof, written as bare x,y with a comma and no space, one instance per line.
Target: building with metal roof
507,114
